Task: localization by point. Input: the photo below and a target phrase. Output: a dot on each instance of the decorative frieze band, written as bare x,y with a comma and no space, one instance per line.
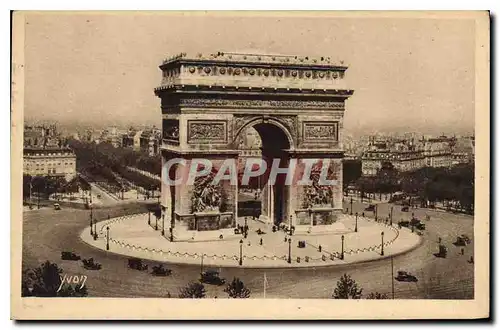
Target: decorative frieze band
267,104
305,73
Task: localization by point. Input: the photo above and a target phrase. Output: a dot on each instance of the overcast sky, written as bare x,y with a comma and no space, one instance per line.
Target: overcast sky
408,74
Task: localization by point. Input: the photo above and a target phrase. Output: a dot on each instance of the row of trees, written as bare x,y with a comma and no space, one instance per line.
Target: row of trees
346,288
113,156
235,289
103,162
454,186
47,185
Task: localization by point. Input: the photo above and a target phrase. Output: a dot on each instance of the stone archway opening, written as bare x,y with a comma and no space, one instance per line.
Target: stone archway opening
261,198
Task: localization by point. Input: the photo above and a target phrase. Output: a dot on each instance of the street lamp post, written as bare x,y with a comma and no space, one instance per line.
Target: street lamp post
392,208
290,225
342,248
241,252
107,238
351,205
149,217
91,226
289,250
95,229
412,222
156,223
376,212
356,226
163,225
382,249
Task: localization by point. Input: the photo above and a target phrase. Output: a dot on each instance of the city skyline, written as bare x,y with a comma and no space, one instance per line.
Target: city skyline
420,73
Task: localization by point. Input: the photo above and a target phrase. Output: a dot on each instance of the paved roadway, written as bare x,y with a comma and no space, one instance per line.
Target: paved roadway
48,232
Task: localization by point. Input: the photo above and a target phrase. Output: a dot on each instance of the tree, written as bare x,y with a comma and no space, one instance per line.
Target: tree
236,289
27,189
351,171
377,295
44,281
347,288
193,290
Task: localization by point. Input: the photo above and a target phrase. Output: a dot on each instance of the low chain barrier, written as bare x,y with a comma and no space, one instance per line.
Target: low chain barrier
325,257
193,255
122,218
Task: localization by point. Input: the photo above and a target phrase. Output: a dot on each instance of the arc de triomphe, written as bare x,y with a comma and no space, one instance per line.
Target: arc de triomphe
296,104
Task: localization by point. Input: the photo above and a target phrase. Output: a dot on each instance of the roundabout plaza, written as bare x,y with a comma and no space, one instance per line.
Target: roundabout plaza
343,242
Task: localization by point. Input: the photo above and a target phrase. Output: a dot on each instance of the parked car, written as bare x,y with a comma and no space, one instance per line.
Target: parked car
212,277
135,263
462,240
90,264
405,209
67,255
405,277
57,206
370,207
420,226
443,251
404,223
161,271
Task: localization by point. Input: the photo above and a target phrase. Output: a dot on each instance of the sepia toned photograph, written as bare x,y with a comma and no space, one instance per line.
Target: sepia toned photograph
219,165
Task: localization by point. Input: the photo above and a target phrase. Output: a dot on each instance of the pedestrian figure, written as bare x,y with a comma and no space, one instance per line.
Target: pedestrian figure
462,251
439,240
363,214
319,248
261,241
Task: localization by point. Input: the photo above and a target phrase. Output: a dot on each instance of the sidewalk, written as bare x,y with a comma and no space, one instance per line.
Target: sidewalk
133,237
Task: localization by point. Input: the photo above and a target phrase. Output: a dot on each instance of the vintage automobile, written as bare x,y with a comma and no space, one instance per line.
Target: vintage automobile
135,263
90,264
462,240
212,277
405,277
443,251
370,207
420,226
405,209
67,255
404,223
57,206
161,271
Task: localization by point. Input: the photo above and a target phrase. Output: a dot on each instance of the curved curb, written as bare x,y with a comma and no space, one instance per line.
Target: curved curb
316,263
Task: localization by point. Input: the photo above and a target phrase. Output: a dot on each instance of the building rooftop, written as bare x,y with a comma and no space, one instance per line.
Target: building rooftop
257,57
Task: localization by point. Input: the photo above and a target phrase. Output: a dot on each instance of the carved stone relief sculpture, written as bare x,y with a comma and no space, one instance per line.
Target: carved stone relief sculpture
321,131
206,196
171,129
207,132
318,195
